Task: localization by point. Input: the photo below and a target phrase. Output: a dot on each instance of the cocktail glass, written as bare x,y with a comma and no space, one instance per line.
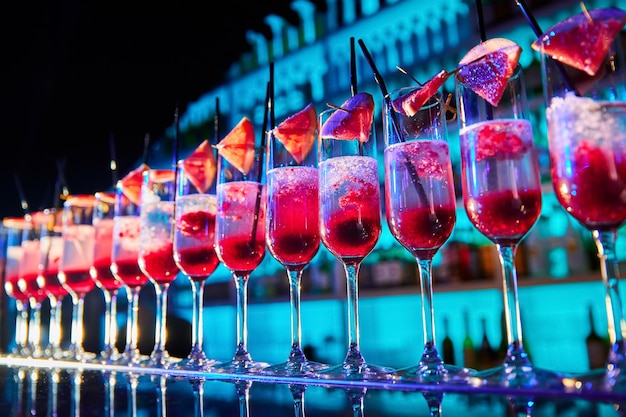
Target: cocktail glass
156,250
240,243
350,224
125,267
78,236
16,229
420,207
100,271
292,235
586,119
194,252
502,197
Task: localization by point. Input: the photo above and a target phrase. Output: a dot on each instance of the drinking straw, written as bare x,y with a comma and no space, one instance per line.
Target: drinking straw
483,37
417,182
113,164
353,80
175,151
216,121
20,192
146,148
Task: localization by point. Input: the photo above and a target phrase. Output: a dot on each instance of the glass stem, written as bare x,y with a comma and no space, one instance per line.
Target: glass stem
515,355
197,322
107,323
132,331
34,327
198,396
297,391
54,334
241,284
433,399
112,325
428,318
161,318
295,279
609,267
243,395
354,355
21,325
76,336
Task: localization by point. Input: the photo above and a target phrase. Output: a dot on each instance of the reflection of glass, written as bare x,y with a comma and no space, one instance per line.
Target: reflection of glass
240,243
125,267
78,250
292,235
587,146
100,270
420,208
17,228
194,253
156,250
349,192
502,197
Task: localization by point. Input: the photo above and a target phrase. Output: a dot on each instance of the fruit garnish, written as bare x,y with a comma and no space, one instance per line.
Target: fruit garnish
197,223
500,141
201,166
487,67
582,41
297,132
131,183
237,147
351,120
412,102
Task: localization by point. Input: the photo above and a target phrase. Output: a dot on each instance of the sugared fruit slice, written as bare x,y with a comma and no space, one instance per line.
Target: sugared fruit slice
131,183
583,40
411,103
237,147
200,166
487,67
297,132
353,120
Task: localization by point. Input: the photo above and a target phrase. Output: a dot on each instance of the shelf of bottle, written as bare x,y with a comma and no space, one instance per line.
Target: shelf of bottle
571,387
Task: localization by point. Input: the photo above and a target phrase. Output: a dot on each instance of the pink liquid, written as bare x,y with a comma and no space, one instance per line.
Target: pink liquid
78,281
591,185
198,263
52,285
502,217
159,264
29,286
12,290
352,234
101,273
240,254
293,235
421,230
128,271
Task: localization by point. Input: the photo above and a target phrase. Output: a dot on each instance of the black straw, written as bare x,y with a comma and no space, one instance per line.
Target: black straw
216,121
353,79
146,148
20,192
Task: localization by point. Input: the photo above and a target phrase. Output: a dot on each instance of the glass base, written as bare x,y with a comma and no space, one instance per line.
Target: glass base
157,359
235,366
434,374
518,376
609,379
358,372
300,368
196,361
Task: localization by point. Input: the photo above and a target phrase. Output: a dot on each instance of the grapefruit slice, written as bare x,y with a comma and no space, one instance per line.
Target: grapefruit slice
583,40
237,147
131,183
410,103
297,132
201,166
487,67
352,120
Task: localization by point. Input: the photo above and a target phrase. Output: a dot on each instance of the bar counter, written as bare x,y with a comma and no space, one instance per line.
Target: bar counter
58,388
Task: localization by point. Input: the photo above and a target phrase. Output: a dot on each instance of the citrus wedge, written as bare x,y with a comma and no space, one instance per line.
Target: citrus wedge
583,40
201,166
237,147
487,67
411,103
297,132
352,120
131,183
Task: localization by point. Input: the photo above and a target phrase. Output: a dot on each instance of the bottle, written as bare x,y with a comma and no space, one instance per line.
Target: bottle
597,348
469,354
485,357
447,345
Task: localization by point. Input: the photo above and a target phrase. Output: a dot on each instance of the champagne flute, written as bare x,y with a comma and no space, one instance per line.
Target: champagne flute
350,223
100,270
17,228
586,118
194,248
78,237
420,207
240,243
125,265
502,197
156,250
292,235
